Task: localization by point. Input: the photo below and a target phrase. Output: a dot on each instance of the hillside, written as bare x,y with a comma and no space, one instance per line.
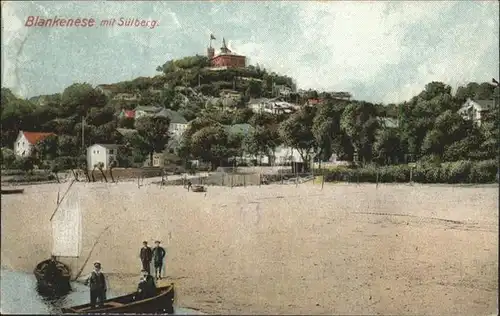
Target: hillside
427,127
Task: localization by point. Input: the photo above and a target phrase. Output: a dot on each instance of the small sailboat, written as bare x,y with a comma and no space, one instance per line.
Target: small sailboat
53,276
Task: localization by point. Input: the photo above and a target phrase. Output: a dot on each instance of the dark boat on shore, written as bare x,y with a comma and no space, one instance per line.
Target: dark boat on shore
162,303
52,283
12,191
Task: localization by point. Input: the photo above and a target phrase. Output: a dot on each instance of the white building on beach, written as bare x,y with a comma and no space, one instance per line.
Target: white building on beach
104,153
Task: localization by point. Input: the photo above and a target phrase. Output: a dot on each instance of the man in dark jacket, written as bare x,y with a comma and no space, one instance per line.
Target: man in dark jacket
97,283
146,287
158,256
146,256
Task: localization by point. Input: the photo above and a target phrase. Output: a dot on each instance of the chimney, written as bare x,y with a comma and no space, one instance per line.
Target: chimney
210,52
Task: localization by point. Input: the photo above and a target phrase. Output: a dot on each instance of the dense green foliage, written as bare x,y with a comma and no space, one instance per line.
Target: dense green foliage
427,128
463,171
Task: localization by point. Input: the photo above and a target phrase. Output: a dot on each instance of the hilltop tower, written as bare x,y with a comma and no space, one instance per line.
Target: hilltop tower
226,58
210,52
224,49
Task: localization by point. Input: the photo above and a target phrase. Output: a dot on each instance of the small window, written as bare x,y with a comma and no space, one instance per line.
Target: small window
98,151
94,152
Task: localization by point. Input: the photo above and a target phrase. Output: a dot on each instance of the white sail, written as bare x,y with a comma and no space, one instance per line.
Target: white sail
67,226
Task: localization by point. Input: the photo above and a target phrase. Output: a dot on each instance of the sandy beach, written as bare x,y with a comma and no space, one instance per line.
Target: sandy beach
282,249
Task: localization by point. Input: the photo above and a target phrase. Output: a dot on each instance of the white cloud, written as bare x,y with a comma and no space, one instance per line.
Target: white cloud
14,35
354,42
380,51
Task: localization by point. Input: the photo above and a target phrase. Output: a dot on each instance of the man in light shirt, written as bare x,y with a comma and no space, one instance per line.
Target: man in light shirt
97,283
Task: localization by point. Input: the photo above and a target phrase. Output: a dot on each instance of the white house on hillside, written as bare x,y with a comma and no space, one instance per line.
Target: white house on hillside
178,123
474,110
104,153
272,106
25,142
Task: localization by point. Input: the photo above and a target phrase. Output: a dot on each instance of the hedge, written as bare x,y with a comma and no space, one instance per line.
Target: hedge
29,178
463,171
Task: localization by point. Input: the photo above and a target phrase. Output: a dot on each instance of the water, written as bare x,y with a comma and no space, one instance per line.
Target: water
18,295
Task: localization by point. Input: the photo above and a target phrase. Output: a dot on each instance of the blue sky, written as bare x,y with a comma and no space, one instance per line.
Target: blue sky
379,51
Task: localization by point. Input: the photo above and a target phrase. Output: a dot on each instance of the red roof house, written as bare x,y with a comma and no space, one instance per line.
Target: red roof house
127,114
26,140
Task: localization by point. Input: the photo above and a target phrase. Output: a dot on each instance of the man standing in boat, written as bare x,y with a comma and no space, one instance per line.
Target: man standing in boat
146,256
158,256
98,288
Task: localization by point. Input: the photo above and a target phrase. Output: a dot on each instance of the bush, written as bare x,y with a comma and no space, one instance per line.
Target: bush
457,172
464,171
32,178
8,157
484,172
24,163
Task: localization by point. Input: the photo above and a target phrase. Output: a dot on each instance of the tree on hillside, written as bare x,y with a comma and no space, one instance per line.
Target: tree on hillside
79,98
297,133
359,121
262,119
47,148
449,127
254,89
211,144
241,116
154,133
434,89
327,131
67,146
16,116
7,96
42,116
126,122
190,62
217,114
99,116
473,90
387,146
418,116
261,141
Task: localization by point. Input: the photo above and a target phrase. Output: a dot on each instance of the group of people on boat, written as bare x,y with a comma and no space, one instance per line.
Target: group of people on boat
146,287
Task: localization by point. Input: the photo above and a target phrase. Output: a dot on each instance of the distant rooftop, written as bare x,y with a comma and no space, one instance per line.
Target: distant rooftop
107,146
484,104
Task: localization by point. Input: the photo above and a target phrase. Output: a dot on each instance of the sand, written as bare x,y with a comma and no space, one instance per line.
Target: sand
282,249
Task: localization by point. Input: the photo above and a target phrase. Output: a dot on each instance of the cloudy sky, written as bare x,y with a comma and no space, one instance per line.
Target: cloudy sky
381,52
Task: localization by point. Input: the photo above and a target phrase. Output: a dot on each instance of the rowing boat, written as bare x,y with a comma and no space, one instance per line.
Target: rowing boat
12,191
162,303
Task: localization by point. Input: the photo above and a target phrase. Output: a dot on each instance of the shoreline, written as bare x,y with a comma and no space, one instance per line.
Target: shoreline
251,250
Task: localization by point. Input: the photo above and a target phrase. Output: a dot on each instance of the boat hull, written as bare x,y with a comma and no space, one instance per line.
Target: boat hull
162,303
59,284
12,191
